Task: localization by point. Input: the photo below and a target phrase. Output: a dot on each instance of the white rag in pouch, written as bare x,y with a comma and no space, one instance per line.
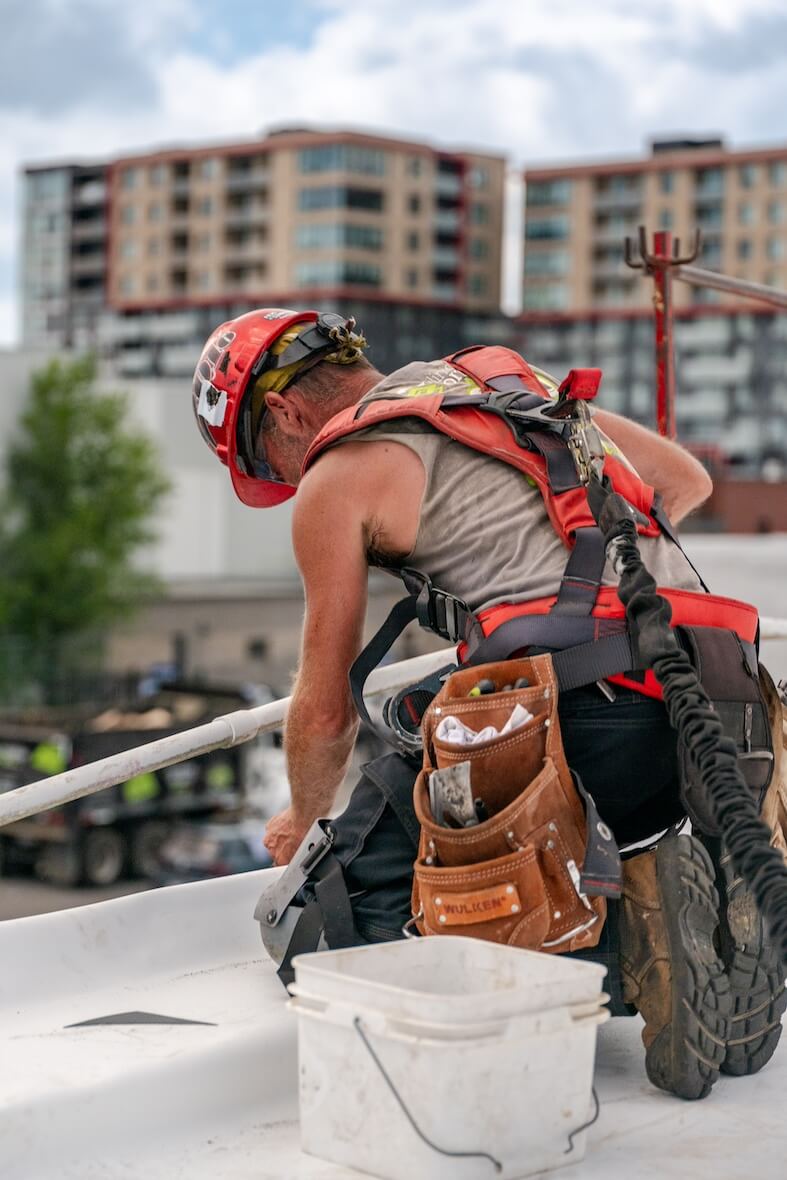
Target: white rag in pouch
452,730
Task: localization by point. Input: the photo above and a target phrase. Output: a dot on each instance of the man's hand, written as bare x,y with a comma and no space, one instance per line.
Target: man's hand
283,836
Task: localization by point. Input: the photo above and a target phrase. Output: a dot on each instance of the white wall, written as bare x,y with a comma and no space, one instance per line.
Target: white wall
205,533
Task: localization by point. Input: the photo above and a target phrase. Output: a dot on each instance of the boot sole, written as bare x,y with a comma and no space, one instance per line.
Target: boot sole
686,1056
756,979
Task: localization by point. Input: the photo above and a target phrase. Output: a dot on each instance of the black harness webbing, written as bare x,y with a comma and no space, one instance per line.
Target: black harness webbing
329,914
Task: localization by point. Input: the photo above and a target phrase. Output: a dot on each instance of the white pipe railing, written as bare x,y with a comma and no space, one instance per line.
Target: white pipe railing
699,277
230,730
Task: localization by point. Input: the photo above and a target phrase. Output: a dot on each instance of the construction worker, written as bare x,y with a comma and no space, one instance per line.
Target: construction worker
399,472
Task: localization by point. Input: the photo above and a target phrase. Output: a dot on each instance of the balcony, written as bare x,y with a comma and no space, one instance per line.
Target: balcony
246,215
92,228
629,199
607,234
242,252
445,292
447,220
445,258
244,182
93,193
448,184
88,264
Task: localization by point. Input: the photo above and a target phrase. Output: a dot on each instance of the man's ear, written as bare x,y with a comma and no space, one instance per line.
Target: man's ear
286,411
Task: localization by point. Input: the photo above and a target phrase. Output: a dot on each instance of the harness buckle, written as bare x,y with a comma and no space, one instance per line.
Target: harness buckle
436,610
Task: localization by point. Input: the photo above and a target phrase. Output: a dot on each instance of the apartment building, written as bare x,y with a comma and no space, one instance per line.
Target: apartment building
63,253
305,211
577,217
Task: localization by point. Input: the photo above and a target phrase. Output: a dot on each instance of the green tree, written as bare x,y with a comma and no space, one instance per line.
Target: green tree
82,487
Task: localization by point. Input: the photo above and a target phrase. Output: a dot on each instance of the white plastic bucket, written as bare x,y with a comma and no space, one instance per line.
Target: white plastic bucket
511,1089
448,979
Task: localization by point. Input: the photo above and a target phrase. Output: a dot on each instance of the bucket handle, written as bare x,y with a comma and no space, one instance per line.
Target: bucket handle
389,1083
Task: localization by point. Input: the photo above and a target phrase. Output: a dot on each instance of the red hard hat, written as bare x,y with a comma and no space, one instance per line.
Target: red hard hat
236,354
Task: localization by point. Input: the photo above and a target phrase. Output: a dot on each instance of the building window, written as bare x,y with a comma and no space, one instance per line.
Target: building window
776,212
544,228
337,272
478,177
746,213
550,297
548,192
205,206
411,278
710,254
414,203
546,262
129,178
336,236
128,214
709,182
477,284
157,175
204,280
665,219
744,249
777,173
414,165
747,175
204,242
708,216
128,248
207,169
154,246
666,182
152,283
339,197
479,213
478,247
340,157
127,285
774,249
155,211
413,240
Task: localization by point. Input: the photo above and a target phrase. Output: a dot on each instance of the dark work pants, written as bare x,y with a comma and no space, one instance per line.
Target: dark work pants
623,750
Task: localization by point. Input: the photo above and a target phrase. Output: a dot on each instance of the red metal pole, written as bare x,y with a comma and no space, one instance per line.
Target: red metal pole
665,350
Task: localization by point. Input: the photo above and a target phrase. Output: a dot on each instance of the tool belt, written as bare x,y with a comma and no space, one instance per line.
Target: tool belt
535,873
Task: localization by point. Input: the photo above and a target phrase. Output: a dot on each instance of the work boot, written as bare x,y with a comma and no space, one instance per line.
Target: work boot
753,968
671,971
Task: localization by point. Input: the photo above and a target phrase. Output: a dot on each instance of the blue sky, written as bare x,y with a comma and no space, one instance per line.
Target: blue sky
537,79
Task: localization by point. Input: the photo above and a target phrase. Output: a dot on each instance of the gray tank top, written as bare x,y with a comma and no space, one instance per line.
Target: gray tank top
483,533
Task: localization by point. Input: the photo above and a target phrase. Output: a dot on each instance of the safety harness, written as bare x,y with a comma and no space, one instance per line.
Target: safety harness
509,415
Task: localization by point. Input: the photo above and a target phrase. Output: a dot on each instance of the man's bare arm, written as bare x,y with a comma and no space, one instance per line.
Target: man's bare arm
329,543
682,480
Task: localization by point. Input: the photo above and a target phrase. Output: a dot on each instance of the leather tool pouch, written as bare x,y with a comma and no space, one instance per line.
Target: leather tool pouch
516,877
727,670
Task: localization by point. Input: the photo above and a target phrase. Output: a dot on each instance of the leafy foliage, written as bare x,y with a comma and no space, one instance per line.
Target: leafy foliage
81,491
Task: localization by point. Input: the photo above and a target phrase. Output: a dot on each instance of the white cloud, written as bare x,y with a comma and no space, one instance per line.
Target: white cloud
542,80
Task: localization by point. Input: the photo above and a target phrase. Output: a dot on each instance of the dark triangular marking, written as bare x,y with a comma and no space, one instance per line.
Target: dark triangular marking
138,1018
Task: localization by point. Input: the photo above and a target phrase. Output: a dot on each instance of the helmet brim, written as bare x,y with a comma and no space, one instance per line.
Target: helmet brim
259,493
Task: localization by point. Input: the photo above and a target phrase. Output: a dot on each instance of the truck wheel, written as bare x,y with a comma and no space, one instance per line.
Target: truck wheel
146,840
103,855
59,864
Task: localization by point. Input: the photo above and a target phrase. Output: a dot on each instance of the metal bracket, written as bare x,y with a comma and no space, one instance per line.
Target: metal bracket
650,261
274,901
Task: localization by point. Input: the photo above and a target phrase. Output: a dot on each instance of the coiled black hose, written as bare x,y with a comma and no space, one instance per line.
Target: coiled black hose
692,715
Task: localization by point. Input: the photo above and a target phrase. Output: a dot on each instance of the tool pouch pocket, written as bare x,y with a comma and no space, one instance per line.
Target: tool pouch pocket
727,670
516,876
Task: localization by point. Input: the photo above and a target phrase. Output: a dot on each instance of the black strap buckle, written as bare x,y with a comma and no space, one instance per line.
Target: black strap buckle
436,610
